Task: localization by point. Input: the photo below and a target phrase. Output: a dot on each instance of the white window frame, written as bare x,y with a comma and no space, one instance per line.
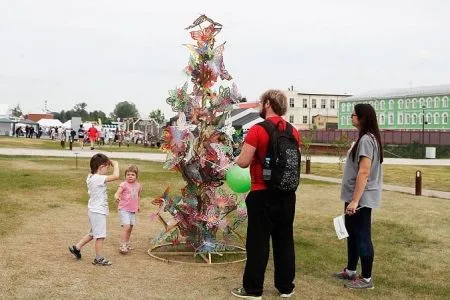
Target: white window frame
391,104
305,119
436,102
414,119
382,105
428,118
305,103
400,119
349,107
400,104
323,103
436,118
444,102
422,103
376,105
407,119
391,119
407,104
291,102
420,119
332,103
382,119
313,103
429,102
445,118
414,103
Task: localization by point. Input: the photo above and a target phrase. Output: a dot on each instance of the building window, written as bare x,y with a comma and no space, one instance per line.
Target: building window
444,118
436,102
445,102
391,119
400,104
314,104
428,118
376,105
429,102
342,107
420,118
436,118
349,107
342,120
323,103
407,118
400,119
414,119
305,119
422,102
332,104
414,103
291,119
391,104
382,119
382,104
291,102
305,103
407,104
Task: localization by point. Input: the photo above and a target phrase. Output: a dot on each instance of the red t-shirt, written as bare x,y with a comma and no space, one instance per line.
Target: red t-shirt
258,137
92,132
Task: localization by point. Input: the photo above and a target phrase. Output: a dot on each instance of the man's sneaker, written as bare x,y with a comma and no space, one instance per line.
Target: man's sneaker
241,293
101,262
359,283
75,251
345,275
287,295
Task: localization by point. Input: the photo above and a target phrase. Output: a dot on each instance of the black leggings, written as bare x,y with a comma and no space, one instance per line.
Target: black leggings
359,242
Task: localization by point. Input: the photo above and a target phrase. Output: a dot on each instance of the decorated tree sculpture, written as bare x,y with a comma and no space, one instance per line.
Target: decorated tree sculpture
200,147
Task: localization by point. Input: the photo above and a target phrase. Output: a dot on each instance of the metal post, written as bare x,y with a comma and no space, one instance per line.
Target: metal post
308,166
418,183
76,160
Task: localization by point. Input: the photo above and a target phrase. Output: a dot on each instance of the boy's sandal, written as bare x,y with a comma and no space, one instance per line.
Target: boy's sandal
123,249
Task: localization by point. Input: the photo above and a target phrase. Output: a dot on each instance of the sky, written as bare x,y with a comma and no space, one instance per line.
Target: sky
105,51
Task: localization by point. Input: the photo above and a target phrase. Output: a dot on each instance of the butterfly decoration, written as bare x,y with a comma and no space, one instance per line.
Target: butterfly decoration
179,98
204,18
204,35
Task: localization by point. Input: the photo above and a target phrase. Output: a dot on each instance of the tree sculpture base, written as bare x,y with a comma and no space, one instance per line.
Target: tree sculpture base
183,254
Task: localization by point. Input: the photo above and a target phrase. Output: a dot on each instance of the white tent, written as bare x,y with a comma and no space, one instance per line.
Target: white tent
67,124
50,123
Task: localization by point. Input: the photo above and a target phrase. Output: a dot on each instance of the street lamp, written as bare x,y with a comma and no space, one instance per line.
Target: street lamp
423,129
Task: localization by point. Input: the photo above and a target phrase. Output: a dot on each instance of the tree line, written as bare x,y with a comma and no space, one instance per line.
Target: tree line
122,110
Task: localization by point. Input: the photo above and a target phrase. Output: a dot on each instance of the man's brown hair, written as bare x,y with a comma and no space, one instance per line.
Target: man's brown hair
277,100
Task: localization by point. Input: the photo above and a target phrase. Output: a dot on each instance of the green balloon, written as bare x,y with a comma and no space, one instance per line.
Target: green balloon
238,179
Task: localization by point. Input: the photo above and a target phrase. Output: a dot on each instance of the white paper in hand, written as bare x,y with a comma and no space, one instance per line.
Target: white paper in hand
339,226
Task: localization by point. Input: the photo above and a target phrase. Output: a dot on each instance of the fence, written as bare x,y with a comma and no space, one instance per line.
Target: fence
395,137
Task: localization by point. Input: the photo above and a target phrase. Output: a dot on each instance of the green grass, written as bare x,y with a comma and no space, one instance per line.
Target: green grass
433,177
410,234
44,143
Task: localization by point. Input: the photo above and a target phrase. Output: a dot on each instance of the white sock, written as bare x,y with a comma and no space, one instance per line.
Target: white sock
350,272
367,279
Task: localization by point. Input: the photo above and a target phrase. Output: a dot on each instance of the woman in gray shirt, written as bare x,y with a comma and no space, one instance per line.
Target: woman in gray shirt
361,191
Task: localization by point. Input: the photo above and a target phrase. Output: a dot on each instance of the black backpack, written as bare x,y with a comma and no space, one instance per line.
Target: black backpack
281,164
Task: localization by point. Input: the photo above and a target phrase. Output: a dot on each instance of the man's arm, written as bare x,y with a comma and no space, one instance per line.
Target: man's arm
245,157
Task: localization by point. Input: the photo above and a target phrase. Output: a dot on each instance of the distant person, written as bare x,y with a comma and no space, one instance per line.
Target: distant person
92,134
127,198
361,191
73,134
31,132
81,136
98,209
19,131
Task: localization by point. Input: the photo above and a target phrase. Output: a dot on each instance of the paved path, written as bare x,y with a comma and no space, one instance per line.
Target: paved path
162,157
386,187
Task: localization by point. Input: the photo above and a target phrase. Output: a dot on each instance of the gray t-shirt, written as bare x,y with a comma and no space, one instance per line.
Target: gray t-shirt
371,196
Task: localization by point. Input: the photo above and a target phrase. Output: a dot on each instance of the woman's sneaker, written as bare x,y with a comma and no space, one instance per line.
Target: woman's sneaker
288,295
345,275
101,262
359,283
75,251
241,293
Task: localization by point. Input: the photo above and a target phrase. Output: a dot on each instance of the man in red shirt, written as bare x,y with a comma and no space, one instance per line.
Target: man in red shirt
92,133
269,213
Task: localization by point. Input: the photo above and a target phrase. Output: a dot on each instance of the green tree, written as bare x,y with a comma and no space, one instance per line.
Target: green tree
158,116
125,109
341,146
16,111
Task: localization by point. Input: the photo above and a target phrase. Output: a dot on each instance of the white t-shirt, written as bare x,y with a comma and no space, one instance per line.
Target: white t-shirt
98,198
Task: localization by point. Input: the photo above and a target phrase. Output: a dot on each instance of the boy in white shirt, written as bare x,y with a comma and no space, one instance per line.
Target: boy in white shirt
98,208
